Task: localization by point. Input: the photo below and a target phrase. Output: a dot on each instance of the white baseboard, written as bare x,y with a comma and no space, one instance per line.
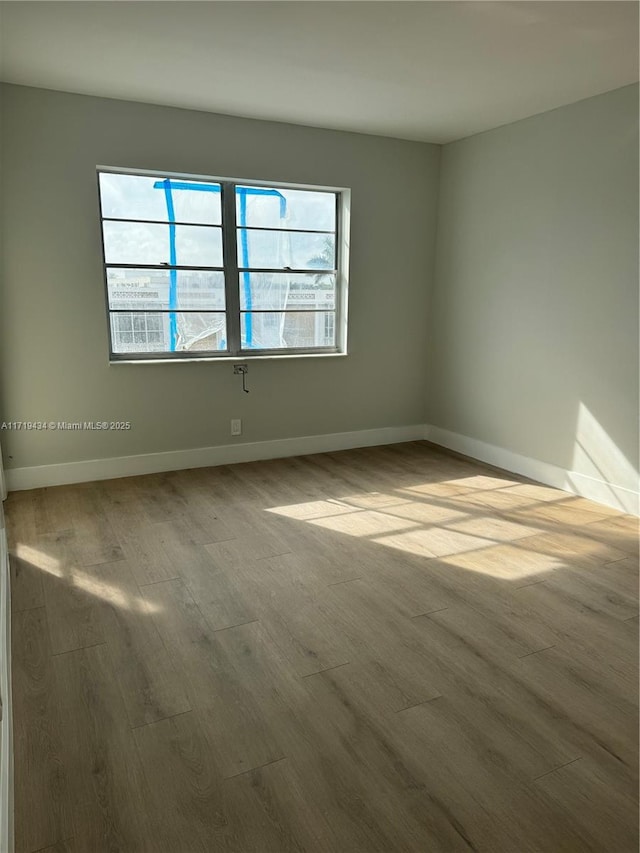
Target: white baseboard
611,495
6,735
600,491
201,457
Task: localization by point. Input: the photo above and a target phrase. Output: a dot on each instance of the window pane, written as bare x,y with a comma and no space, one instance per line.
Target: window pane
279,291
145,197
280,249
168,332
288,330
141,243
139,289
264,207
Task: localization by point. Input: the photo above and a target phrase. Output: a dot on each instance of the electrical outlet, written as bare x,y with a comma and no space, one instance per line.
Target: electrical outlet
240,368
236,426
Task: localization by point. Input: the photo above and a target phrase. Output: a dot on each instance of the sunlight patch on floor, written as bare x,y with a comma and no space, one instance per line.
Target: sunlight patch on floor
39,559
374,500
483,482
92,584
100,589
313,509
471,539
434,542
426,512
505,562
495,528
111,594
365,523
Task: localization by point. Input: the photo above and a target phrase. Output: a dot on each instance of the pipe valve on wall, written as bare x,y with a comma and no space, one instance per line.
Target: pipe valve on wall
242,369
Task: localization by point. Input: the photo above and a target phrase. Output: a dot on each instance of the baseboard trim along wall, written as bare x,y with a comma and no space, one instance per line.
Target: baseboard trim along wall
600,491
6,737
202,457
228,454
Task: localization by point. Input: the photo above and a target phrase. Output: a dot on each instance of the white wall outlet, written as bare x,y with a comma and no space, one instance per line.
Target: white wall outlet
236,426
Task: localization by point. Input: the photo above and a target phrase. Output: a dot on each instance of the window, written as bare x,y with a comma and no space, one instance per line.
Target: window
199,267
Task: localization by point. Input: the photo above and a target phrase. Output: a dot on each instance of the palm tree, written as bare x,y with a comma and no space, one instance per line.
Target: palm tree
325,260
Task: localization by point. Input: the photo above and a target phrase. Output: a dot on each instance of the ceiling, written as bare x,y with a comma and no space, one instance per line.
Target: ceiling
428,71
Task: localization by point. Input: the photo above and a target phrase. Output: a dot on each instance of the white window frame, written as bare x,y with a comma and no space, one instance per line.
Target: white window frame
232,271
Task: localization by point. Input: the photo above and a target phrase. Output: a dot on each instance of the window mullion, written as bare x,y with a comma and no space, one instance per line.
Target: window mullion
231,275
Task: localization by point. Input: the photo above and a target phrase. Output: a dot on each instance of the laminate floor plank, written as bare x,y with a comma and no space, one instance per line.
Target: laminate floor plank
538,493
552,701
320,770
321,774
381,650
354,478
240,734
60,503
305,483
620,533
563,514
337,479
294,616
78,509
75,615
219,599
268,480
593,590
306,636
221,485
152,687
187,809
606,719
383,786
595,802
263,669
402,581
158,497
283,816
570,621
490,806
307,570
141,541
289,703
26,573
26,521
572,549
66,846
26,517
487,503
108,791
304,526
619,580
202,521
476,752
598,509
41,763
622,575
502,602
389,670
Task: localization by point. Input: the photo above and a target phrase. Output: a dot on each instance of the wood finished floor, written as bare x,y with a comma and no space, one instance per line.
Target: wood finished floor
387,649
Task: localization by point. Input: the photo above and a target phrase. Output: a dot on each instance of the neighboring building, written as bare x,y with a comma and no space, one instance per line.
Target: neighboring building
144,324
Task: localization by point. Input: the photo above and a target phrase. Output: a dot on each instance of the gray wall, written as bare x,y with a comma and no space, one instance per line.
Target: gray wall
534,317
53,350
527,338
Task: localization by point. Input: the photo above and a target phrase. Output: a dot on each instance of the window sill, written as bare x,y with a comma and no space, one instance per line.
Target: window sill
226,359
